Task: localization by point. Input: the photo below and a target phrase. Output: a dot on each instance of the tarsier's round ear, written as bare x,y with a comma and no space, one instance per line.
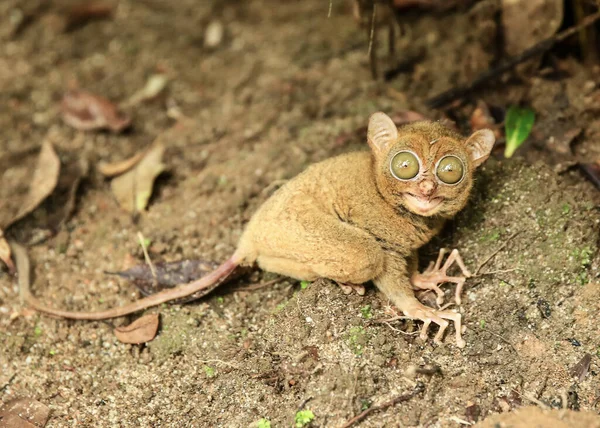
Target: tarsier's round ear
382,132
479,146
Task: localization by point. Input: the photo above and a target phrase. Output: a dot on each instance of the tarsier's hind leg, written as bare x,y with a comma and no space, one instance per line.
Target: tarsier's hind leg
322,247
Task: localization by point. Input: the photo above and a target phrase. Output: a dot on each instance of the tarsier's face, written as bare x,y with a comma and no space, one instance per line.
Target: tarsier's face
424,166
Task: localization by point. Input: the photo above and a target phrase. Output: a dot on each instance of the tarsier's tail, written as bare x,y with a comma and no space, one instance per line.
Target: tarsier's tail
209,281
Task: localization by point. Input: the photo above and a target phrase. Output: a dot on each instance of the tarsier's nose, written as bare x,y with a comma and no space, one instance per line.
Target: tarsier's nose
427,187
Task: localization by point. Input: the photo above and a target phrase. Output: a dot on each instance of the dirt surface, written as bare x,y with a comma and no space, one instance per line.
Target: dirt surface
288,86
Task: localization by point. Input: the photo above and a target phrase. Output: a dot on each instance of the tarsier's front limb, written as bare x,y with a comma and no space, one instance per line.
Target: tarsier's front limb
436,274
394,283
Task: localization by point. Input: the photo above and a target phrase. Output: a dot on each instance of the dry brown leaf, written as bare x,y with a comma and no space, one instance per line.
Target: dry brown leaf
87,112
5,254
154,86
85,11
117,168
24,413
528,22
63,199
42,184
142,330
134,188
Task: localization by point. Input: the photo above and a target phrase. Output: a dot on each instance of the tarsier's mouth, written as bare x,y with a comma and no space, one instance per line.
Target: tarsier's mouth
421,204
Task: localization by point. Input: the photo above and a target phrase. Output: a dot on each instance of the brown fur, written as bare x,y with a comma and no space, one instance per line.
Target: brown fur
346,218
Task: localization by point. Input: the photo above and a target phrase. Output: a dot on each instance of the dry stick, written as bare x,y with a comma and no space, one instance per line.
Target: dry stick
501,338
400,399
541,47
254,287
372,28
206,283
147,257
491,256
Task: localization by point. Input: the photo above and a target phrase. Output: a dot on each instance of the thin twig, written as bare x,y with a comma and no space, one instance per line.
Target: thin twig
495,272
499,337
254,287
491,256
533,400
459,420
400,399
330,7
539,48
147,257
372,27
225,363
399,331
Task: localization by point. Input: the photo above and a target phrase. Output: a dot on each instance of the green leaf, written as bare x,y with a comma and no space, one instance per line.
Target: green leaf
518,124
303,418
304,285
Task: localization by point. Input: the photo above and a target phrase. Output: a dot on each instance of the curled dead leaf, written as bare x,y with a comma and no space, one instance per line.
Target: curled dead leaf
24,413
45,178
63,199
141,330
134,188
154,86
87,112
117,168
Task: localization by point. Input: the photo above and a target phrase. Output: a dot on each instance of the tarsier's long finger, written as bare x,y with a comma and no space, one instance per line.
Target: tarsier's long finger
429,268
460,282
457,318
441,255
455,257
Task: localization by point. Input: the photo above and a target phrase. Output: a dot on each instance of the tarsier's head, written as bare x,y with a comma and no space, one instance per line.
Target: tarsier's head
424,166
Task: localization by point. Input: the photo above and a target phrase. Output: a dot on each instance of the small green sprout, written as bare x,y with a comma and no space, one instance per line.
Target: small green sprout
518,125
220,299
366,312
364,404
566,209
303,418
37,331
209,371
264,423
304,285
482,323
356,340
52,352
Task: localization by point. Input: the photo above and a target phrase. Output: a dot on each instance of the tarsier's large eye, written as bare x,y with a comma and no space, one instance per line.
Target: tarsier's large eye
450,170
405,165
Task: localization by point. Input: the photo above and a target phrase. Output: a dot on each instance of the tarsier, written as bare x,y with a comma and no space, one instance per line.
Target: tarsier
358,217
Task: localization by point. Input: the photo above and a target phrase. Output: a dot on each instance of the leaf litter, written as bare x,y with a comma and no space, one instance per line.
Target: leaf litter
134,188
153,88
24,413
111,169
43,183
142,330
86,111
168,275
